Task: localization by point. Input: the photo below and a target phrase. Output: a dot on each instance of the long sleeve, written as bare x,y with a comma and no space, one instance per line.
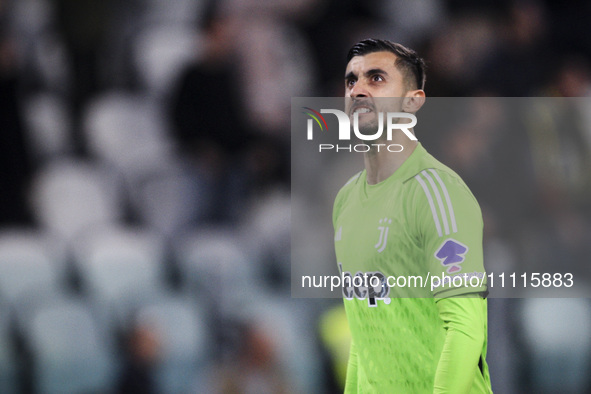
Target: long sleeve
464,321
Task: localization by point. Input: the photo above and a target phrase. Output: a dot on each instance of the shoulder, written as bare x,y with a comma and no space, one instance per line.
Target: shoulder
440,196
433,178
350,184
441,181
346,189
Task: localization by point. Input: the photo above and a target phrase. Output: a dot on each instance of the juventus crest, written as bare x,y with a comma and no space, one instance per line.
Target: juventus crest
384,227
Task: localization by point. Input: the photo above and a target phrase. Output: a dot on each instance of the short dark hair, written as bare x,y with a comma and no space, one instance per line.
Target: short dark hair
408,61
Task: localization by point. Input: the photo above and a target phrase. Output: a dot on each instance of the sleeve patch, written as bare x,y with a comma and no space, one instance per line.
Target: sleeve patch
451,254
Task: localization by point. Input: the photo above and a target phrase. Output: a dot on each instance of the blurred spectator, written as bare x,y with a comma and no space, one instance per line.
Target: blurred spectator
572,78
274,61
208,118
255,368
456,55
331,29
82,25
335,341
569,21
524,57
141,354
561,158
210,121
15,165
475,145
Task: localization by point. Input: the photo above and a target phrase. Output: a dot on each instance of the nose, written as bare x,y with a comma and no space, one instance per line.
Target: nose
359,90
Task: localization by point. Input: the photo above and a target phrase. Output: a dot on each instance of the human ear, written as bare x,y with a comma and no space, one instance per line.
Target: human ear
413,100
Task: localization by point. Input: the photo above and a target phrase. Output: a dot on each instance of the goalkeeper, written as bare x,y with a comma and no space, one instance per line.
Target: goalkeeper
407,213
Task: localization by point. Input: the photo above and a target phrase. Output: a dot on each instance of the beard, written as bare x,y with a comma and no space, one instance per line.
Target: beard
368,124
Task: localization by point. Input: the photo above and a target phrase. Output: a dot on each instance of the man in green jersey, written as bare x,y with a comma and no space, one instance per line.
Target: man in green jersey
412,224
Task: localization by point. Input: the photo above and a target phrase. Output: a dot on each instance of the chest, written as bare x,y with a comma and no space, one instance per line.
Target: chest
377,234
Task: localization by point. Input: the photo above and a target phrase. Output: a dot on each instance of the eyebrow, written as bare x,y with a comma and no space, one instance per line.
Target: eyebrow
350,75
368,73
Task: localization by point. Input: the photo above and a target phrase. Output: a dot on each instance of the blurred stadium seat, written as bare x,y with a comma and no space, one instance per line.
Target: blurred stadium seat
127,131
267,234
161,52
212,261
168,200
119,267
556,331
32,17
30,263
70,351
68,196
48,125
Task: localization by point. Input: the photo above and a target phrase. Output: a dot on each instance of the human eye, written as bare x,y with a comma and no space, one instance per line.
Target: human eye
350,82
377,78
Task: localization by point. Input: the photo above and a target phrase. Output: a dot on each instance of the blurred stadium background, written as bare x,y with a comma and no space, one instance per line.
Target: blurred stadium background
145,189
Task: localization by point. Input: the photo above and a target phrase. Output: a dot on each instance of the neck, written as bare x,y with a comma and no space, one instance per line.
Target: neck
380,165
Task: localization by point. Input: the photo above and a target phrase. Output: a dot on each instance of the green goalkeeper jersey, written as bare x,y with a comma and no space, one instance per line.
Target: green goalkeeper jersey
405,244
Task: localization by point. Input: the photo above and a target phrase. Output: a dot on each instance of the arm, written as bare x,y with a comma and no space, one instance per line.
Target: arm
351,382
464,324
450,229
